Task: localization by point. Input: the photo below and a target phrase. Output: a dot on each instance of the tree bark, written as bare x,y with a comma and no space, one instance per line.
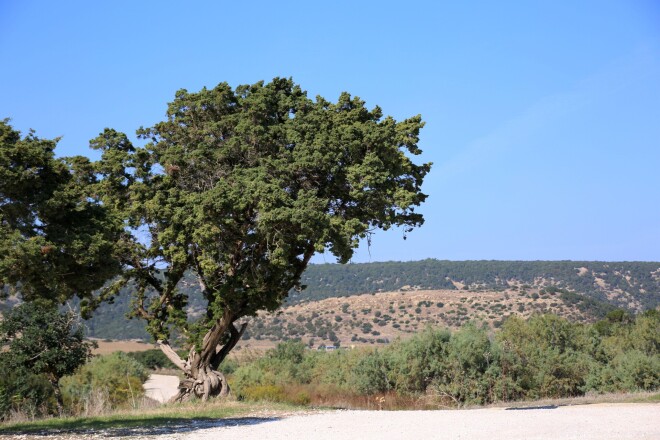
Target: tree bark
203,380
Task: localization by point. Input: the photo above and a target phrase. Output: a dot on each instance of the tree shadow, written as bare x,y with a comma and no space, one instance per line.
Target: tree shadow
525,408
143,427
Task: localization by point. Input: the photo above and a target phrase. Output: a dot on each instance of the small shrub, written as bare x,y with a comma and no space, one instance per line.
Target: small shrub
269,393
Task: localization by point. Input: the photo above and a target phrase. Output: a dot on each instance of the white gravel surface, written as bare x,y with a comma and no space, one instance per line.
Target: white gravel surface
618,421
580,422
584,422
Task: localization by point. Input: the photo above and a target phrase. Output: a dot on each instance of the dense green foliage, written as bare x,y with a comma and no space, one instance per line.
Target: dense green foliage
242,186
56,243
56,238
37,340
25,393
543,357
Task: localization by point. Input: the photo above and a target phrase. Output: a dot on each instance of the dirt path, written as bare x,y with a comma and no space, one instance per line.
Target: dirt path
161,387
584,422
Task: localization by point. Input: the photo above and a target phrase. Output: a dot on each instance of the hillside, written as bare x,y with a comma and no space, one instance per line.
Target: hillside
485,290
382,317
634,285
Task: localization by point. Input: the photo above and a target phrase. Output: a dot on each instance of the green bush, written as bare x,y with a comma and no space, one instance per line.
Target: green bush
468,371
118,376
288,363
415,363
370,376
545,356
153,359
542,357
630,371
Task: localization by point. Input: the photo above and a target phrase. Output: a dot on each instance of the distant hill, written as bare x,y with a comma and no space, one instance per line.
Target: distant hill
582,290
633,285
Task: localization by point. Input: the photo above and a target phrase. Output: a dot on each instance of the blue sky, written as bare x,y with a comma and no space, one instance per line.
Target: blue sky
543,118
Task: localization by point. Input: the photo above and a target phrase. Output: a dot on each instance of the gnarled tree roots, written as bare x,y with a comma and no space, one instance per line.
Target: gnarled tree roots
203,380
210,383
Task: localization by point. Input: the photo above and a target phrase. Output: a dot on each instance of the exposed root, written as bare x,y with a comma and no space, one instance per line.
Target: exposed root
209,384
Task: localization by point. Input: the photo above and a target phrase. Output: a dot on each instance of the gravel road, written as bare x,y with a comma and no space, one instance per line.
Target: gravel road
580,422
584,422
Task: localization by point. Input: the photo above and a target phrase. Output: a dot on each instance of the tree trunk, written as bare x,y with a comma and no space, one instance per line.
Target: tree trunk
203,380
55,383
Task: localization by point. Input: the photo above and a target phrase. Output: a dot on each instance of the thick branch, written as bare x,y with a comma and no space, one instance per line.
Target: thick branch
173,356
146,275
221,353
309,252
140,310
200,274
153,282
214,336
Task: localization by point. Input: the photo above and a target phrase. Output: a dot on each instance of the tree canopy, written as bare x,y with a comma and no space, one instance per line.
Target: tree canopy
56,239
242,186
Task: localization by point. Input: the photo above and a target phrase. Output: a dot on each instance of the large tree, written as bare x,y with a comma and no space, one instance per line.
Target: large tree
241,187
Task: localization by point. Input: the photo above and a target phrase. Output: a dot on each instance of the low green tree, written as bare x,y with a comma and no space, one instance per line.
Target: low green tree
56,242
36,338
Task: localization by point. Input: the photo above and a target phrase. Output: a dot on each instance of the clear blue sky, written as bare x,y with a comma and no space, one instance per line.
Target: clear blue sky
543,117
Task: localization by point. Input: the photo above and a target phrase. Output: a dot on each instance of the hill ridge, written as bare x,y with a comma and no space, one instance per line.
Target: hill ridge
592,285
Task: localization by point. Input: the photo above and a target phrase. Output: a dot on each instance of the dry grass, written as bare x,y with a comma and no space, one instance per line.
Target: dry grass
107,347
149,415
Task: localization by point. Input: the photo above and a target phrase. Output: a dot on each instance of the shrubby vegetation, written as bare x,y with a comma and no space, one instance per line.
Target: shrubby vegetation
28,396
103,384
543,357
